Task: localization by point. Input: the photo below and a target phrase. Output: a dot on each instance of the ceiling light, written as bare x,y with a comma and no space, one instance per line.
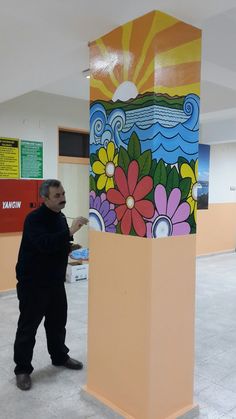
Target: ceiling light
86,73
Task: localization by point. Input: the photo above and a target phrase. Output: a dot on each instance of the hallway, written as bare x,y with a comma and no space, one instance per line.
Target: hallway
215,372
55,393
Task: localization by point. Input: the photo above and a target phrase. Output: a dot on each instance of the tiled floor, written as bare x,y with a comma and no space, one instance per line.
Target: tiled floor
55,393
215,372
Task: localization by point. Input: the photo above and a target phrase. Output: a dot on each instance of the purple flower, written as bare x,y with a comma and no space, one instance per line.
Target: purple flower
102,216
169,217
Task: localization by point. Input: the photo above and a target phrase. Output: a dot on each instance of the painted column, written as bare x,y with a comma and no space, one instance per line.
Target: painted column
144,127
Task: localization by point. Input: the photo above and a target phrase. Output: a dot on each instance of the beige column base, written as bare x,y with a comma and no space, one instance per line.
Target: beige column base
114,412
141,324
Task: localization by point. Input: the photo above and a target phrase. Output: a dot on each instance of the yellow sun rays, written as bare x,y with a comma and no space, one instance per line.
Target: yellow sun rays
126,35
147,55
106,60
158,25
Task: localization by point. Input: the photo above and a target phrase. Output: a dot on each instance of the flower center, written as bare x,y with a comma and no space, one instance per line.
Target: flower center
96,221
130,202
194,191
110,169
162,227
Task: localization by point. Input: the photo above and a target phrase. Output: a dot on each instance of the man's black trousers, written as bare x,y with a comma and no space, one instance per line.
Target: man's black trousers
35,303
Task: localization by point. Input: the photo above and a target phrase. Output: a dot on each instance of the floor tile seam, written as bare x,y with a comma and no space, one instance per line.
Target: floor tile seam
206,362
44,399
214,340
232,411
228,389
212,407
222,359
208,365
231,329
69,395
222,387
84,404
219,379
202,389
216,350
205,405
215,381
217,362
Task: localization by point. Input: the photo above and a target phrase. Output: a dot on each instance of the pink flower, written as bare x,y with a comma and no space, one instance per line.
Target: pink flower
170,215
131,207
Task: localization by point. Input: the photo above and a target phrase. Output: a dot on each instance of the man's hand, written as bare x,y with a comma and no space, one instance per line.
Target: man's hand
77,223
75,246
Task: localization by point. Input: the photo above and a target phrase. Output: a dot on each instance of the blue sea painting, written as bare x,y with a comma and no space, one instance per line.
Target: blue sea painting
168,132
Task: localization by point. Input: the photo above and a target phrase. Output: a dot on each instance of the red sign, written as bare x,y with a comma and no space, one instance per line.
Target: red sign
17,199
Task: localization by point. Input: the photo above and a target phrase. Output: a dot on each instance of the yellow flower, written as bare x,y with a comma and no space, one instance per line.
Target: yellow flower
105,166
187,171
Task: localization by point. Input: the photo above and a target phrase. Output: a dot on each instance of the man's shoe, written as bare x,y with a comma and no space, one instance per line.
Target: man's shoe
73,364
23,381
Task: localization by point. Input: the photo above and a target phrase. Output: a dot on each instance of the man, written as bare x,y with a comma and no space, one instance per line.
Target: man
40,272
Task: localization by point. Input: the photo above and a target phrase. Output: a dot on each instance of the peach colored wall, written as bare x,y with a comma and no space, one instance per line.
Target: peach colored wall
113,351
141,323
9,246
216,229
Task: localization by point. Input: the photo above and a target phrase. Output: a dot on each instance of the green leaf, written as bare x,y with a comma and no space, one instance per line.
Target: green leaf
132,232
184,186
193,229
191,220
134,149
160,175
168,169
123,159
145,161
118,228
93,158
153,168
172,180
92,183
192,223
182,160
192,164
150,196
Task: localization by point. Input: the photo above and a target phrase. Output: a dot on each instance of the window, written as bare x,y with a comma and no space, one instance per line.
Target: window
73,143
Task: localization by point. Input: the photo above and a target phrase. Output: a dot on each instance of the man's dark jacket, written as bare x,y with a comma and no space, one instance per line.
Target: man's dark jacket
44,248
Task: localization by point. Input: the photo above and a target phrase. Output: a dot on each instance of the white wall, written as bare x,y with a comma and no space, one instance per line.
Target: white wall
222,173
37,116
218,127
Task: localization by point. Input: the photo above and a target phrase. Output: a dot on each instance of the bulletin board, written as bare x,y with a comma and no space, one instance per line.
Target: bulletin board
9,158
31,160
21,159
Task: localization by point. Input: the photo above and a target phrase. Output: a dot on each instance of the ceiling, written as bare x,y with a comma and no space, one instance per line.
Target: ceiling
44,44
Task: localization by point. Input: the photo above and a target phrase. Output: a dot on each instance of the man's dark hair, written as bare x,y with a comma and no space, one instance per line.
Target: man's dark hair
44,187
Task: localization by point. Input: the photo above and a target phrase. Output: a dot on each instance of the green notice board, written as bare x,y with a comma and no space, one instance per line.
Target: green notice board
31,159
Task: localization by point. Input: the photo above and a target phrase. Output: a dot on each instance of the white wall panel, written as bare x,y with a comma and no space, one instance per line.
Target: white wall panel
222,173
37,116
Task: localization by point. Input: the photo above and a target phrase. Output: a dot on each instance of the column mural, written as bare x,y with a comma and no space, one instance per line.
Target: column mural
144,128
